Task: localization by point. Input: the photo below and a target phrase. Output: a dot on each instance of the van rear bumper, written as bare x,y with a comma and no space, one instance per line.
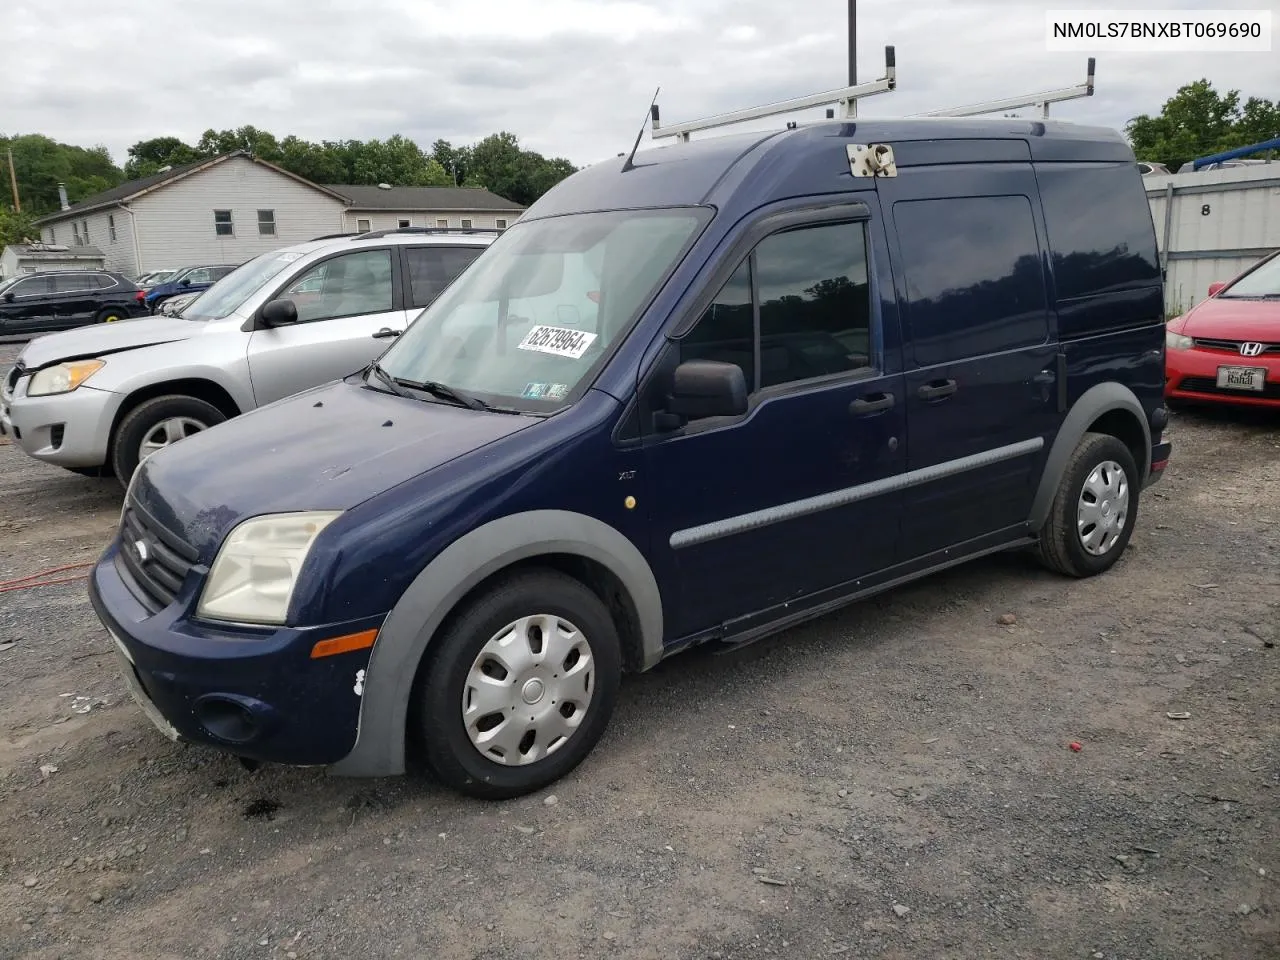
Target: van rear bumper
1159,460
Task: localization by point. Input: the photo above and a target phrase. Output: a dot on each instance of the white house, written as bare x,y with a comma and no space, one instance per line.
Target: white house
33,257
230,208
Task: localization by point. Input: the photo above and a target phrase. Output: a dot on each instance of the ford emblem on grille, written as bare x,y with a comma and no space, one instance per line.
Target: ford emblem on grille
1250,349
140,548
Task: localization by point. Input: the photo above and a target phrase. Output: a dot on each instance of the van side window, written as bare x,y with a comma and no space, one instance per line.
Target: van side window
1099,226
810,315
726,331
974,278
815,304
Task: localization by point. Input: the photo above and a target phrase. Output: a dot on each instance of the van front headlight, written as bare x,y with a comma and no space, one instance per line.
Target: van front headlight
253,576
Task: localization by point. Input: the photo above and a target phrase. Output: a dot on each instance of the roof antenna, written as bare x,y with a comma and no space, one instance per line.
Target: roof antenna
653,105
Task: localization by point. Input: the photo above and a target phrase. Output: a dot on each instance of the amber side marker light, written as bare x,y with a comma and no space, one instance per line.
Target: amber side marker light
352,641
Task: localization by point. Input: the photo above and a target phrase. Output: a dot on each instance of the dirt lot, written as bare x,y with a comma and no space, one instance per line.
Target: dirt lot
892,781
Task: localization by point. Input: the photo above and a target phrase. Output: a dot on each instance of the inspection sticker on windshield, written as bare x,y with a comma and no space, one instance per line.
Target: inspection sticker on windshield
559,341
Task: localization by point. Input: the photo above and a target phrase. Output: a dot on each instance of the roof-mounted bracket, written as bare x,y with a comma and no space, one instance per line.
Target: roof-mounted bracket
871,160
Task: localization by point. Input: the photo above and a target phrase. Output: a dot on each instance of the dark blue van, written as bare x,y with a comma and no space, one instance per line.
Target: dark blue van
697,399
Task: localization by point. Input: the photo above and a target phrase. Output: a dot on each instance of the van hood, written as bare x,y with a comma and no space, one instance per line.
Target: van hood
100,339
330,448
1224,318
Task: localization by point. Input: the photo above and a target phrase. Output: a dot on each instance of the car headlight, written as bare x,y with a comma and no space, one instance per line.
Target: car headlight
62,377
253,576
1176,341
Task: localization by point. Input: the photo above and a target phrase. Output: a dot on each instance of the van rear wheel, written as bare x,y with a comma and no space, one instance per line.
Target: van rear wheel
520,686
1094,510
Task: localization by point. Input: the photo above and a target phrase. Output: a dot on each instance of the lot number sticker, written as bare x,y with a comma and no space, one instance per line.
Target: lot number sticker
558,341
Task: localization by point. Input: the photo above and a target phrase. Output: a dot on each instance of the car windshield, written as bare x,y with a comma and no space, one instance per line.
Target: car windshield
1263,281
225,297
159,277
532,315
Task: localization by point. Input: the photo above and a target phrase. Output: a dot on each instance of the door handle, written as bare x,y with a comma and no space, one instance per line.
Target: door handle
937,389
871,403
386,332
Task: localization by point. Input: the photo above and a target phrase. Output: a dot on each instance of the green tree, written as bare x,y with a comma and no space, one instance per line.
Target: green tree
1197,121
16,227
147,157
41,163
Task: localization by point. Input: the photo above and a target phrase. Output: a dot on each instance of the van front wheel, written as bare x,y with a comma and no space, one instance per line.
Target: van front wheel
520,686
1094,510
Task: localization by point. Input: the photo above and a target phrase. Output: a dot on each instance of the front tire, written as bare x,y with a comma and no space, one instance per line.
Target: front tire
1094,509
519,687
155,424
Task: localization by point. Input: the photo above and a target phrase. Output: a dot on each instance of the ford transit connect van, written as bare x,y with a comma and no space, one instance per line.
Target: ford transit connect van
694,399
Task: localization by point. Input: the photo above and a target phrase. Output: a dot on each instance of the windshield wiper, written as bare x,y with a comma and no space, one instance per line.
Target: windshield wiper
390,382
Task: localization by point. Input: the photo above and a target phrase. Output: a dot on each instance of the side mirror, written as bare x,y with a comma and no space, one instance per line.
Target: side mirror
708,388
8,298
279,313
184,282
1216,288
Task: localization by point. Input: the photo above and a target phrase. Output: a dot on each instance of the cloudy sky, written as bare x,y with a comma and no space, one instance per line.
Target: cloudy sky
569,77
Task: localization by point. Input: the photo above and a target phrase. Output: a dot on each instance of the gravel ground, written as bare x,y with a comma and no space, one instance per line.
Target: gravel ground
895,780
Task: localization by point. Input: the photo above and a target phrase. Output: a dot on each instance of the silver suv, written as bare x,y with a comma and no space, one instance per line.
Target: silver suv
101,399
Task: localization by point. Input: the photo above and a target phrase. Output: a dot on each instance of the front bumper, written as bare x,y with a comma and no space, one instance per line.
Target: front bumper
66,429
254,693
1192,375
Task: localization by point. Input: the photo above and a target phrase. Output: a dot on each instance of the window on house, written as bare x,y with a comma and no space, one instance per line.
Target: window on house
466,224
222,225
402,224
810,316
363,226
442,223
53,235
84,231
75,233
266,223
111,227
501,224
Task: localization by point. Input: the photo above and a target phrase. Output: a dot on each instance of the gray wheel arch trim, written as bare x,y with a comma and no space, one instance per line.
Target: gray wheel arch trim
1093,403
416,618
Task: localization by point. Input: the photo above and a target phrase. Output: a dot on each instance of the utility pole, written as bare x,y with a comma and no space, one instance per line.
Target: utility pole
13,182
853,43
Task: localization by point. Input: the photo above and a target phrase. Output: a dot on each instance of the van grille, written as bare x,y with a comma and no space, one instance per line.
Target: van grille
153,562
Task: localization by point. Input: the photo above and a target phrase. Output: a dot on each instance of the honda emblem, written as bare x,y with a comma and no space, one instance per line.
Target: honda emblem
1250,349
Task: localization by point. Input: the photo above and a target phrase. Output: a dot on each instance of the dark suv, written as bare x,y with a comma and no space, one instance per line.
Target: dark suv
696,399
62,299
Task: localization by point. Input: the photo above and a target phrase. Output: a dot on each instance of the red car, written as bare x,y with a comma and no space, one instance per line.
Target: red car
1227,349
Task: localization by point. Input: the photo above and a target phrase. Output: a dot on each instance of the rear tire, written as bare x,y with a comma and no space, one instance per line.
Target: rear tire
562,658
111,315
158,422
1094,510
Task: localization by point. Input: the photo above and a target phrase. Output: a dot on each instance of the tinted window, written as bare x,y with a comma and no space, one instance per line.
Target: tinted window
1099,226
217,273
30,287
975,284
71,283
726,331
431,269
815,308
353,284
103,281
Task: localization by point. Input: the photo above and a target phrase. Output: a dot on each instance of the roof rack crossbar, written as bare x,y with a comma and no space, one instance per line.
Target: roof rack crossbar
1041,100
846,98
369,235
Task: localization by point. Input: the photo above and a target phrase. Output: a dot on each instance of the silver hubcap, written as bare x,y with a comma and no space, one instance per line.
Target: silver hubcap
1104,508
166,432
528,690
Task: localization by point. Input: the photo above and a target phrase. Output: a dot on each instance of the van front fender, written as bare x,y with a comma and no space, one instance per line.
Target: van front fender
416,618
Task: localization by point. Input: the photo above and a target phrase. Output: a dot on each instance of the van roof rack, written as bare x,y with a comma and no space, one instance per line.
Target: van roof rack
426,230
846,98
1041,100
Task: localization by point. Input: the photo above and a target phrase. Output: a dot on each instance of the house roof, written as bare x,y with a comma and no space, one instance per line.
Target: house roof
134,188
25,251
366,197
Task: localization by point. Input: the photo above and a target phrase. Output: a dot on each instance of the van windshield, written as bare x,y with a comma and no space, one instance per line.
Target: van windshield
533,315
1263,282
224,297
